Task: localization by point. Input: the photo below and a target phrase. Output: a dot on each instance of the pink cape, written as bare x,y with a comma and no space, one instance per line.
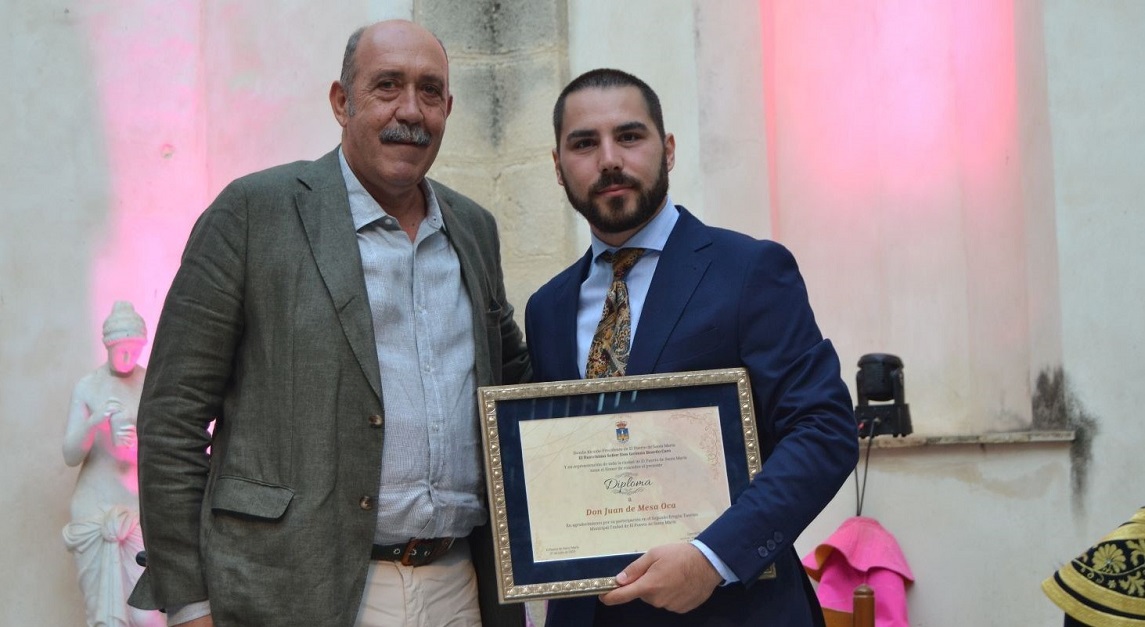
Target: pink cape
862,551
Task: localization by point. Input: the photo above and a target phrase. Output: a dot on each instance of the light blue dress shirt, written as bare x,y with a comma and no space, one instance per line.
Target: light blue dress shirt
432,478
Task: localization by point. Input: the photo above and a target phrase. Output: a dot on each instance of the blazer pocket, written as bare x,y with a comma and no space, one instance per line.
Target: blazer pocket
236,495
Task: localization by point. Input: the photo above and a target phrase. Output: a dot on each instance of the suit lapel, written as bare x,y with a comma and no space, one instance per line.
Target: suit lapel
678,272
325,214
565,309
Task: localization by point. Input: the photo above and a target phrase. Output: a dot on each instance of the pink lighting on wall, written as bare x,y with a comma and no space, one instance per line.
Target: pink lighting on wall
146,61
895,162
883,100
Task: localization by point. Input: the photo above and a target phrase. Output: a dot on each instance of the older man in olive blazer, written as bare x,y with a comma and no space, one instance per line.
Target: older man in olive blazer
267,328
287,324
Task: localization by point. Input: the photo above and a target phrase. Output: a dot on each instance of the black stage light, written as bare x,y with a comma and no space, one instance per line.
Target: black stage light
880,379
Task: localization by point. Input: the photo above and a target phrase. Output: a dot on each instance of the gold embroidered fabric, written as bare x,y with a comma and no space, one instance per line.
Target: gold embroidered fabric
608,354
1106,584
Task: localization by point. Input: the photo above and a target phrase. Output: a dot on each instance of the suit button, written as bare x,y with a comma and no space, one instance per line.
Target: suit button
366,502
771,545
377,420
778,537
762,551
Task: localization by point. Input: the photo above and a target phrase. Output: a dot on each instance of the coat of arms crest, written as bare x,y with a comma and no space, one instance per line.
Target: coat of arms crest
622,431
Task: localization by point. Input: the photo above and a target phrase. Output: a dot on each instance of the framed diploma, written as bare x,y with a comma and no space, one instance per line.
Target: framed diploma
586,475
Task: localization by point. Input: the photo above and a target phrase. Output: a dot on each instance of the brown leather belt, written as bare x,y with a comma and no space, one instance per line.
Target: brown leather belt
416,552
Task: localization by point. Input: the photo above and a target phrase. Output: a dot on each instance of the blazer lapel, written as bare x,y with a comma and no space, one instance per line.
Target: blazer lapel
678,272
565,323
325,213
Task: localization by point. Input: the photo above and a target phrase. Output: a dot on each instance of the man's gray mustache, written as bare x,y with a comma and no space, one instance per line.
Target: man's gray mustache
405,134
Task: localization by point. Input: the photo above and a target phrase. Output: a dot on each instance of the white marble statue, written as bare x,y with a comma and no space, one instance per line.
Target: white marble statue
104,533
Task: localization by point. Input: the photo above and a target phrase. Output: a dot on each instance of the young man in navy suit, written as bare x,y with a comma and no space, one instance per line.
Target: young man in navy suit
699,298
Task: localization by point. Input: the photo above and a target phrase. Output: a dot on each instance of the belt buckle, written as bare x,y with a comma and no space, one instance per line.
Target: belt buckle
420,552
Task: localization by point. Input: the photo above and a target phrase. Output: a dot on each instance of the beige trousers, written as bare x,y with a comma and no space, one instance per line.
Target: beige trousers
441,594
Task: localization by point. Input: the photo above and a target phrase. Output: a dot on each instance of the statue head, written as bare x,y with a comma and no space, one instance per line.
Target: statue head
124,334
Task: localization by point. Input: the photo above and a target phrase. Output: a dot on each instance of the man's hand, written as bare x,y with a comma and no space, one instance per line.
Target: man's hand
674,577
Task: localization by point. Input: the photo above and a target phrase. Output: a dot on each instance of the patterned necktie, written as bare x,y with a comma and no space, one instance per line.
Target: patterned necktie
608,354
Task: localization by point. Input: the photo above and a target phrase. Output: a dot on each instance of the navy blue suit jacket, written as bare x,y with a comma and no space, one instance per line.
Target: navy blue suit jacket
720,299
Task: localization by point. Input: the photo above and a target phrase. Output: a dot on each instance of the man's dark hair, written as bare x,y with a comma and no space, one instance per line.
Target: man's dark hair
605,78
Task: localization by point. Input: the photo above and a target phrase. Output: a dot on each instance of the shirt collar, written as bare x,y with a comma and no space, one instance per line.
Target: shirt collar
653,236
365,210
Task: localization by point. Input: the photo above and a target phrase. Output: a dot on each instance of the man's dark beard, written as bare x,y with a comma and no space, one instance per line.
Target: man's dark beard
405,134
647,202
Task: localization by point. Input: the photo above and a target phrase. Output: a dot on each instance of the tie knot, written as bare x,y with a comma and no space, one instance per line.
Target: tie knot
622,260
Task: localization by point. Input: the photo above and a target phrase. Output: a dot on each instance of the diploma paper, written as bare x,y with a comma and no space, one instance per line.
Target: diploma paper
622,483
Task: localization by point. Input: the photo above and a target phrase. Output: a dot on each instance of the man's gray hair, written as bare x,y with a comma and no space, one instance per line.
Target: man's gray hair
350,68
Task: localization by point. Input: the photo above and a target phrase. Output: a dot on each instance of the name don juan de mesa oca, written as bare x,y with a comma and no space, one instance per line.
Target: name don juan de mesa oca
605,511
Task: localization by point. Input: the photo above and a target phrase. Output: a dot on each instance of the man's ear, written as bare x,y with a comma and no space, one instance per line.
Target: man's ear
338,103
670,151
557,167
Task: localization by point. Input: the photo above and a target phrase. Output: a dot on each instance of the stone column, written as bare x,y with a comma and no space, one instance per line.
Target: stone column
508,62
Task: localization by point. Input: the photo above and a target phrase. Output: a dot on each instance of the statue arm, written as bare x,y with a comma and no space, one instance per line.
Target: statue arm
80,432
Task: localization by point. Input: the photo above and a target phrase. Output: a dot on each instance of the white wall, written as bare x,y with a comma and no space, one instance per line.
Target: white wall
1097,113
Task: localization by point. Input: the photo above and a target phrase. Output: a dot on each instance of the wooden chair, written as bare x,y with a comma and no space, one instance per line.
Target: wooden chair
863,614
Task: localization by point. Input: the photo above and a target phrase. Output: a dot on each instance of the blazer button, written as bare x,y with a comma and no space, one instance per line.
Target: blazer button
762,552
771,545
377,420
778,537
366,502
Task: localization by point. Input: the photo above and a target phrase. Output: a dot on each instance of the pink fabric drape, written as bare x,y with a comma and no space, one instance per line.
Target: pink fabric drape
862,551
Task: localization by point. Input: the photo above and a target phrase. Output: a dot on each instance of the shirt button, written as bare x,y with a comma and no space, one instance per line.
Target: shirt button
377,420
366,502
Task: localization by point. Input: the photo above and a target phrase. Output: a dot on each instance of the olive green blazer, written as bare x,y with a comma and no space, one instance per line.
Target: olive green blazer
267,328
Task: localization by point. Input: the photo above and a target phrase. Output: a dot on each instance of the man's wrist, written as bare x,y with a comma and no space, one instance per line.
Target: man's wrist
717,563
